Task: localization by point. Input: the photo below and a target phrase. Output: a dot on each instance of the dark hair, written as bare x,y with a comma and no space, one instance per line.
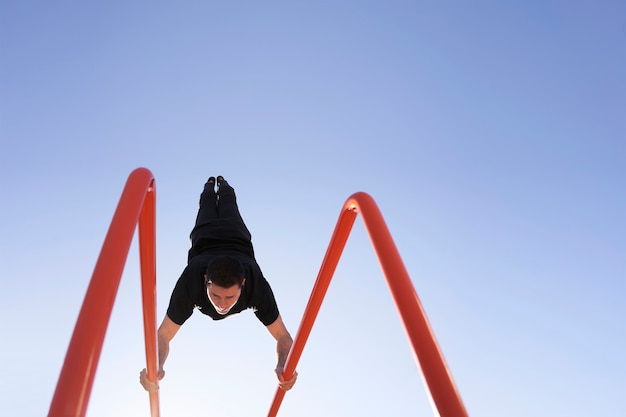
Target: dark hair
225,271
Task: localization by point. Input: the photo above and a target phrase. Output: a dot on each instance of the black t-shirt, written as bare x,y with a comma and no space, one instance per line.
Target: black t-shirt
190,291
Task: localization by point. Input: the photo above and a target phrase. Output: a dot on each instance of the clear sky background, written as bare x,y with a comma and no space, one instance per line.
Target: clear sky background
491,134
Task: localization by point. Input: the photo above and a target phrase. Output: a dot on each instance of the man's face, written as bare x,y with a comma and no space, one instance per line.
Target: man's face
223,299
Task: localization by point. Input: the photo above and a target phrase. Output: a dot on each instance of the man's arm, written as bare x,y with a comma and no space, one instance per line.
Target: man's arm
165,334
283,345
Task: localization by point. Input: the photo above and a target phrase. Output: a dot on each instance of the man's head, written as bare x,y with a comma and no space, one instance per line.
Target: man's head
224,280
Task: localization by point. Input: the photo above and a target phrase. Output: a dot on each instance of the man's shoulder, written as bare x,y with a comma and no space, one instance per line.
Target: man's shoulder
195,270
251,267
199,262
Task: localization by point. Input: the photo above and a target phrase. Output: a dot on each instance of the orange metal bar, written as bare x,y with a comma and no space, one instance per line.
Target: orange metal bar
137,204
147,254
445,397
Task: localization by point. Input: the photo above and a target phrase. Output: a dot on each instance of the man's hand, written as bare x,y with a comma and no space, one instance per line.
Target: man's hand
282,384
166,333
149,385
283,346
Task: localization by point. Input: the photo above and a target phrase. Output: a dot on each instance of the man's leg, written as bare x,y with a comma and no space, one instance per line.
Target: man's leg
208,204
206,212
227,204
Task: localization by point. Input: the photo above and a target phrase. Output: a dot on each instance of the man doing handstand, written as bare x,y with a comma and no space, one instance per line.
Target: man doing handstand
222,278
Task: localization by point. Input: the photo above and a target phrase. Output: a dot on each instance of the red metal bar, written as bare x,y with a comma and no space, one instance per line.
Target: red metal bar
445,397
329,264
147,255
137,204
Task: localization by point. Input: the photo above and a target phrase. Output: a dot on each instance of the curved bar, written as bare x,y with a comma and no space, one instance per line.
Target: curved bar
75,382
444,395
329,264
437,377
147,257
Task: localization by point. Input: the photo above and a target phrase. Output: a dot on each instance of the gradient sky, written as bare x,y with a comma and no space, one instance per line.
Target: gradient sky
492,135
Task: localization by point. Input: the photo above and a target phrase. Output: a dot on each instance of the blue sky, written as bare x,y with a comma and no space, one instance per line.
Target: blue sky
491,135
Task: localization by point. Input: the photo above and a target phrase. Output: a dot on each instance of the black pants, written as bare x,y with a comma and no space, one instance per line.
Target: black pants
219,225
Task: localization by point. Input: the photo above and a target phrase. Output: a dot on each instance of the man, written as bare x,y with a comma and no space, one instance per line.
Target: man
222,278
